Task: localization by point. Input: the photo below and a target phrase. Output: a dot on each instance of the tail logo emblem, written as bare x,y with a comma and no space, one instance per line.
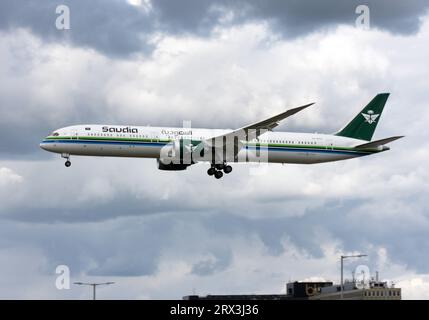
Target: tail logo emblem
370,117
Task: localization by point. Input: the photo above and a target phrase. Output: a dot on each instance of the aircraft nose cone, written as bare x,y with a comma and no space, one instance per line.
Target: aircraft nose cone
42,145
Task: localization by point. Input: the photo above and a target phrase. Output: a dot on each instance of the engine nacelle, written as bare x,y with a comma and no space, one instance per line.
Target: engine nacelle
181,152
171,166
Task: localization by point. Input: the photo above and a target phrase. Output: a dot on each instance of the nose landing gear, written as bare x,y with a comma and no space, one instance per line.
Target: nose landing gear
66,156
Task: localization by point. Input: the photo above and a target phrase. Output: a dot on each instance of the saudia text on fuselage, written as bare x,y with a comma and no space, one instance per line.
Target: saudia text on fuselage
121,130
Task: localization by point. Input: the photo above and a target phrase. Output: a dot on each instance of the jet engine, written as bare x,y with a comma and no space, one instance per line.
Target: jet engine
180,154
171,166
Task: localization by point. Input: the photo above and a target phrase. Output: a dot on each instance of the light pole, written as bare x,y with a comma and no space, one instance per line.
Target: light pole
94,286
342,258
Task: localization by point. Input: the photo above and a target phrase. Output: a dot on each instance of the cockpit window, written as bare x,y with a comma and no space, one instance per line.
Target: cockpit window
55,134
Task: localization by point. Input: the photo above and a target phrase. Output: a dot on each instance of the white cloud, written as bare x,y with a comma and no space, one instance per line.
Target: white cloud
415,288
146,5
8,177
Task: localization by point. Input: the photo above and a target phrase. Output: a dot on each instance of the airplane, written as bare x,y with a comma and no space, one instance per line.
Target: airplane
178,148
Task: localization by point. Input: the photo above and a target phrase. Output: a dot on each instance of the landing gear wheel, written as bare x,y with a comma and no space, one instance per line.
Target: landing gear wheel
218,174
219,166
68,163
211,171
227,169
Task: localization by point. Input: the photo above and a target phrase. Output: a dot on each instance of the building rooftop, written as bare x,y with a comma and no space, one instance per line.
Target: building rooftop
323,290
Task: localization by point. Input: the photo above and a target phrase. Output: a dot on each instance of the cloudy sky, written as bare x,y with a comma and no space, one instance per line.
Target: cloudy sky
220,64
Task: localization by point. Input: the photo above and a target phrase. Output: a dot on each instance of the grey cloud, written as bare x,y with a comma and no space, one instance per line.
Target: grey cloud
296,18
132,246
119,29
122,247
112,27
342,219
222,259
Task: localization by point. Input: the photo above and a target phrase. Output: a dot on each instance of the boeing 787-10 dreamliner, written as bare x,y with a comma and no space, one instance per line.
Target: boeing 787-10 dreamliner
179,148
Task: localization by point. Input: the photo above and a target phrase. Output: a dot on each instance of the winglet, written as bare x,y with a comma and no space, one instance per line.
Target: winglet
273,122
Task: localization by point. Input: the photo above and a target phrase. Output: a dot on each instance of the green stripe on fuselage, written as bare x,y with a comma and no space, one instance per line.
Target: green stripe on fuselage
196,142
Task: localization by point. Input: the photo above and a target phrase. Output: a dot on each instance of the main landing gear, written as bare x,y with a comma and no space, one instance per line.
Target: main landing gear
216,170
68,162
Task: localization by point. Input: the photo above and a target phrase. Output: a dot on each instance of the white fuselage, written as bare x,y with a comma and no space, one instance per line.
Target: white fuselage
146,142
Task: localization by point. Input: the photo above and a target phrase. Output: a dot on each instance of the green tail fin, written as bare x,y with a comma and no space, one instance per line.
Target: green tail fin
363,125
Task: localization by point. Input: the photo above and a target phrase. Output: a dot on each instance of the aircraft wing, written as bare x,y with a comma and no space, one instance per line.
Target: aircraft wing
234,140
259,127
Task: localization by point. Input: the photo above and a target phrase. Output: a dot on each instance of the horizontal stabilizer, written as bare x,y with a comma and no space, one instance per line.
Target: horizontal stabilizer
376,143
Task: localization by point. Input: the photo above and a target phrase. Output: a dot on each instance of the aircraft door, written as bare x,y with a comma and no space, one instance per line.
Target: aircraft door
154,137
329,144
